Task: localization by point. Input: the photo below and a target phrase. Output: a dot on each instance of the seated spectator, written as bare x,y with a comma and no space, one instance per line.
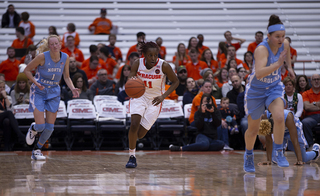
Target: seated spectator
232,64
93,69
200,45
302,84
133,56
195,66
141,37
207,57
2,78
53,31
294,100
237,88
125,71
94,51
222,77
20,94
10,67
163,50
229,38
103,86
207,119
28,26
110,63
293,53
101,25
248,61
231,55
73,69
191,91
192,44
30,54
222,49
11,18
114,51
181,57
182,76
228,116
311,103
226,87
22,41
71,31
242,73
8,123
80,83
258,39
72,51
216,91
171,96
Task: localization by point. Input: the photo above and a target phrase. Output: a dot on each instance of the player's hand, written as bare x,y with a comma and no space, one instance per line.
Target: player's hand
133,78
211,110
3,93
299,163
264,163
157,100
39,86
282,57
75,92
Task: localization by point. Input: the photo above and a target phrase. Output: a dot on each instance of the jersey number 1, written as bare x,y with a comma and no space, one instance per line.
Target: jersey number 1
149,85
53,77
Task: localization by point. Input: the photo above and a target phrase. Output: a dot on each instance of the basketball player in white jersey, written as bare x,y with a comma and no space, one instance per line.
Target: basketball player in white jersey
145,109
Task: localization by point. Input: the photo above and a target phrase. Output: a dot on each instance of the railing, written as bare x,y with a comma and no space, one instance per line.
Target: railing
307,61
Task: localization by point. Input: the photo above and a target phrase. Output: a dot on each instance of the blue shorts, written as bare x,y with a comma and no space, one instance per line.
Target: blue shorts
46,99
257,100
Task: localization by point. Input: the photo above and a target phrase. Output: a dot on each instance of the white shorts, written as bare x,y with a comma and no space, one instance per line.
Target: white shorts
148,112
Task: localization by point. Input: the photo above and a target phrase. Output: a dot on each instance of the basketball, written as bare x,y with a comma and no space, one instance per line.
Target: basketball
135,88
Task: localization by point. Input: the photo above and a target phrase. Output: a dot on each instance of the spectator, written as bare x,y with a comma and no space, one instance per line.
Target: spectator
101,25
53,31
207,119
193,43
311,103
200,45
222,49
72,51
93,69
103,86
28,26
11,18
180,57
73,69
30,54
294,100
132,57
248,61
22,41
229,38
242,73
173,95
110,63
284,71
191,92
114,51
252,46
195,66
80,83
163,50
2,78
226,87
231,55
10,67
8,123
205,89
207,57
232,64
71,31
20,94
125,71
222,77
293,53
216,91
228,116
302,84
182,76
237,88
141,37
94,51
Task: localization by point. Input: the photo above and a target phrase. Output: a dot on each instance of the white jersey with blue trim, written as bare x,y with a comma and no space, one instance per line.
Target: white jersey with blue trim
273,78
50,73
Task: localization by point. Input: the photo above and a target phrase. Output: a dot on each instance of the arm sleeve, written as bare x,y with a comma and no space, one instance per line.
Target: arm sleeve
300,106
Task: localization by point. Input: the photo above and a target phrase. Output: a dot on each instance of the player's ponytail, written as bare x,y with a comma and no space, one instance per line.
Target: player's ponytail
43,44
274,19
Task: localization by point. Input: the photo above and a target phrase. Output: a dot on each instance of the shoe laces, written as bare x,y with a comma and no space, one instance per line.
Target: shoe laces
38,152
249,160
279,153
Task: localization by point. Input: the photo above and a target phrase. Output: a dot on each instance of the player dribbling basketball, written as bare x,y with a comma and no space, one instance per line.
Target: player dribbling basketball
145,109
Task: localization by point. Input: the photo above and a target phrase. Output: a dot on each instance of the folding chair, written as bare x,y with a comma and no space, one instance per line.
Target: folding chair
191,131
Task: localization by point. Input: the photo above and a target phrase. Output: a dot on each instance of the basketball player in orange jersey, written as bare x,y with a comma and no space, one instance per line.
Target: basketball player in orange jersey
145,109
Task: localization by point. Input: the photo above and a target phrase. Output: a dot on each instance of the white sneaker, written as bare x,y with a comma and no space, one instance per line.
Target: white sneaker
31,135
37,155
316,148
226,147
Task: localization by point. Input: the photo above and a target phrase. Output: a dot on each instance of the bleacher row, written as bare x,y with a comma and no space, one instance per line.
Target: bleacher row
176,21
106,123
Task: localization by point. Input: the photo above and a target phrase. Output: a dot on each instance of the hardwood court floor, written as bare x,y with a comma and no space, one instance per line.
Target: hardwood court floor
158,173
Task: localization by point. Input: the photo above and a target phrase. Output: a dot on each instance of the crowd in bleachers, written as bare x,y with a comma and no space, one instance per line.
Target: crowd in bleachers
199,71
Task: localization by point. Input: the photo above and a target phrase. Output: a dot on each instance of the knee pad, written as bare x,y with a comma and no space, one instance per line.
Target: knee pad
49,127
39,127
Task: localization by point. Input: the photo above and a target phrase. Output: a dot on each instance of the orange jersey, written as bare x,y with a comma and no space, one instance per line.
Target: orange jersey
91,73
213,65
17,44
245,65
196,103
220,84
118,75
110,64
102,25
252,46
74,34
163,51
76,53
173,95
310,96
131,49
283,76
202,49
10,69
223,62
29,28
116,52
194,70
182,62
86,63
293,52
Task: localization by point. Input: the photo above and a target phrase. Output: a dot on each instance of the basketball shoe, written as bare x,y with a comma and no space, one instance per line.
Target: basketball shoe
31,134
37,155
248,165
280,159
132,163
174,148
316,148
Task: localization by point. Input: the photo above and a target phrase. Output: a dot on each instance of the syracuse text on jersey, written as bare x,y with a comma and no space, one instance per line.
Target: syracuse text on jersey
149,76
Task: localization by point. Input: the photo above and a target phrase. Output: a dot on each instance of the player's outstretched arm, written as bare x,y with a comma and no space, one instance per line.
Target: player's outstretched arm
134,68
